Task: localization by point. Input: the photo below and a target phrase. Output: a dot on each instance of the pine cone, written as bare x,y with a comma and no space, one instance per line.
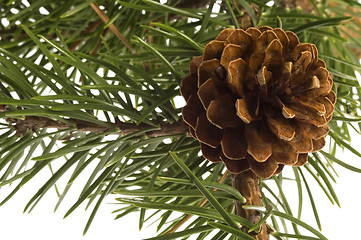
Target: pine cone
258,99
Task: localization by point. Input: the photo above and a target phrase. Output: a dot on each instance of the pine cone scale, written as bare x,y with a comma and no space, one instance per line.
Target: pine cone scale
210,90
206,69
236,76
302,159
220,112
241,38
231,52
313,131
315,105
263,169
302,142
207,133
318,144
280,126
282,36
234,144
259,142
192,111
189,86
213,50
243,111
236,166
289,158
212,154
193,66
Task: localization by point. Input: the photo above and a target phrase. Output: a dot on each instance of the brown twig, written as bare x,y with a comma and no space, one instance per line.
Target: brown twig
112,27
184,220
247,183
33,123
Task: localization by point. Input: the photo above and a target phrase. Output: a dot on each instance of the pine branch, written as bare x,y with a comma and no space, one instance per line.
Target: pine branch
34,123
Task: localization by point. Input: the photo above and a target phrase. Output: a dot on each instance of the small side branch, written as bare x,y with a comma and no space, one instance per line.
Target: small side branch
112,27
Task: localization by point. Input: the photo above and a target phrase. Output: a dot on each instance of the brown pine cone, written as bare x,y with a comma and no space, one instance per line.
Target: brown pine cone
258,99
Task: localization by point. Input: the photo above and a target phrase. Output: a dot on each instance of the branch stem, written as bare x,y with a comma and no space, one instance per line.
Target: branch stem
34,123
247,183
